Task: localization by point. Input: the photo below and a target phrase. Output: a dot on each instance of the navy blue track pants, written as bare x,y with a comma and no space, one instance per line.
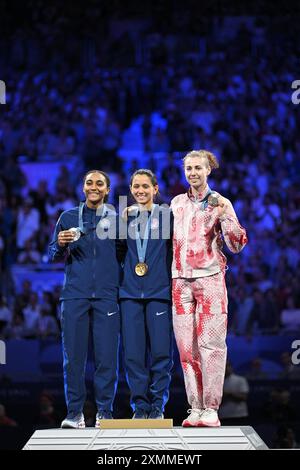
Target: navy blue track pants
147,343
76,316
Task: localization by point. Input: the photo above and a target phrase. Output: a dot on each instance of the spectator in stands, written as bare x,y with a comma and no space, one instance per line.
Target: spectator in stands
47,302
40,197
285,438
6,420
2,244
29,254
171,176
5,315
121,189
47,325
279,407
47,143
256,371
17,328
289,371
244,306
264,316
65,144
110,143
28,223
31,314
290,316
47,417
14,178
24,297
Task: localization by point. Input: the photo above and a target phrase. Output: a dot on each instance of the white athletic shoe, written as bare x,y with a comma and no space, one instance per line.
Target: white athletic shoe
193,419
209,418
75,422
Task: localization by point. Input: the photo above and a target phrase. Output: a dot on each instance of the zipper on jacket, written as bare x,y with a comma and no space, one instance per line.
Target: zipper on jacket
94,254
143,287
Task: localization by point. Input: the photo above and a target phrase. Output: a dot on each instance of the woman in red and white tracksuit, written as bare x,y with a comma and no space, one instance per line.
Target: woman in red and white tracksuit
201,218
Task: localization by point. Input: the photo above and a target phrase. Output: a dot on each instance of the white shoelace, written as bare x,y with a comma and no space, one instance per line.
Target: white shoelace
195,410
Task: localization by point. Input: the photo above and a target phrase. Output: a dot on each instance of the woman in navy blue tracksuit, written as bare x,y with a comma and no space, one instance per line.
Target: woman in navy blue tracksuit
89,297
145,299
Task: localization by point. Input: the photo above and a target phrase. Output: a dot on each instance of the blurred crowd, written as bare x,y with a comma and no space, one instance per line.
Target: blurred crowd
131,87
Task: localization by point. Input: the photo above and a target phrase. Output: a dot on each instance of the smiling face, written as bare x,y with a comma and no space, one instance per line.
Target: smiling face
196,171
95,189
143,190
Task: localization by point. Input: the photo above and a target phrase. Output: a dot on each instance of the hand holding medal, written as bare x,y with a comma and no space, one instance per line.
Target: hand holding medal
213,200
219,202
68,236
222,206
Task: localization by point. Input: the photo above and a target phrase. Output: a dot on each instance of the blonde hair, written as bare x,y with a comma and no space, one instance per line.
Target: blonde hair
211,159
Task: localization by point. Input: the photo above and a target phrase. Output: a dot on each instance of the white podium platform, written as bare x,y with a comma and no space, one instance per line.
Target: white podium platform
177,438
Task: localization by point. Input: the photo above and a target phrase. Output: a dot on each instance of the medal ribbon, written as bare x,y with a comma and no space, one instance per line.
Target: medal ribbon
204,201
80,216
141,245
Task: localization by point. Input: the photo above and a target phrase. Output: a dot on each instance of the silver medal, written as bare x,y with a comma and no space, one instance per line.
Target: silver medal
77,233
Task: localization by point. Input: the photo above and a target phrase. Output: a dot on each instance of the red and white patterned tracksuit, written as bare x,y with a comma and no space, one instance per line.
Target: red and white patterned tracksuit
200,295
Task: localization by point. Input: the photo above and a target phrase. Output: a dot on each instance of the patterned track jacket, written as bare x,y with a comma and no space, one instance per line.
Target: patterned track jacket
197,242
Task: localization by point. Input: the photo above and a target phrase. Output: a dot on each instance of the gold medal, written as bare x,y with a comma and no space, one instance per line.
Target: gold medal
141,269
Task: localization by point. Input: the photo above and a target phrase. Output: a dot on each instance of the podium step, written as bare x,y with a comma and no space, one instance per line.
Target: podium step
177,438
136,424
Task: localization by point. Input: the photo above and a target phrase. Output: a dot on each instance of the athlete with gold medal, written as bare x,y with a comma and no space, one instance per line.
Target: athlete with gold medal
145,299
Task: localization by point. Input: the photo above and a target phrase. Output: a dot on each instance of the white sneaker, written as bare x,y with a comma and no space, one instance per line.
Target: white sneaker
76,422
209,418
193,419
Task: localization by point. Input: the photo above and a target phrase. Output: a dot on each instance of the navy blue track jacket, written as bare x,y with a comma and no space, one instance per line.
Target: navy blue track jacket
156,284
92,269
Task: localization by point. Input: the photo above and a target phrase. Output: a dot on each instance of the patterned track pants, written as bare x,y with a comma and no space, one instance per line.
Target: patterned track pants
200,326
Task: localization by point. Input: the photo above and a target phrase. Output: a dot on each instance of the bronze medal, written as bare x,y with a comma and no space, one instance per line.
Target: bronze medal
141,269
213,200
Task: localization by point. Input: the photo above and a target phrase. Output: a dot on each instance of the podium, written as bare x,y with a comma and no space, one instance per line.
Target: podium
125,434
